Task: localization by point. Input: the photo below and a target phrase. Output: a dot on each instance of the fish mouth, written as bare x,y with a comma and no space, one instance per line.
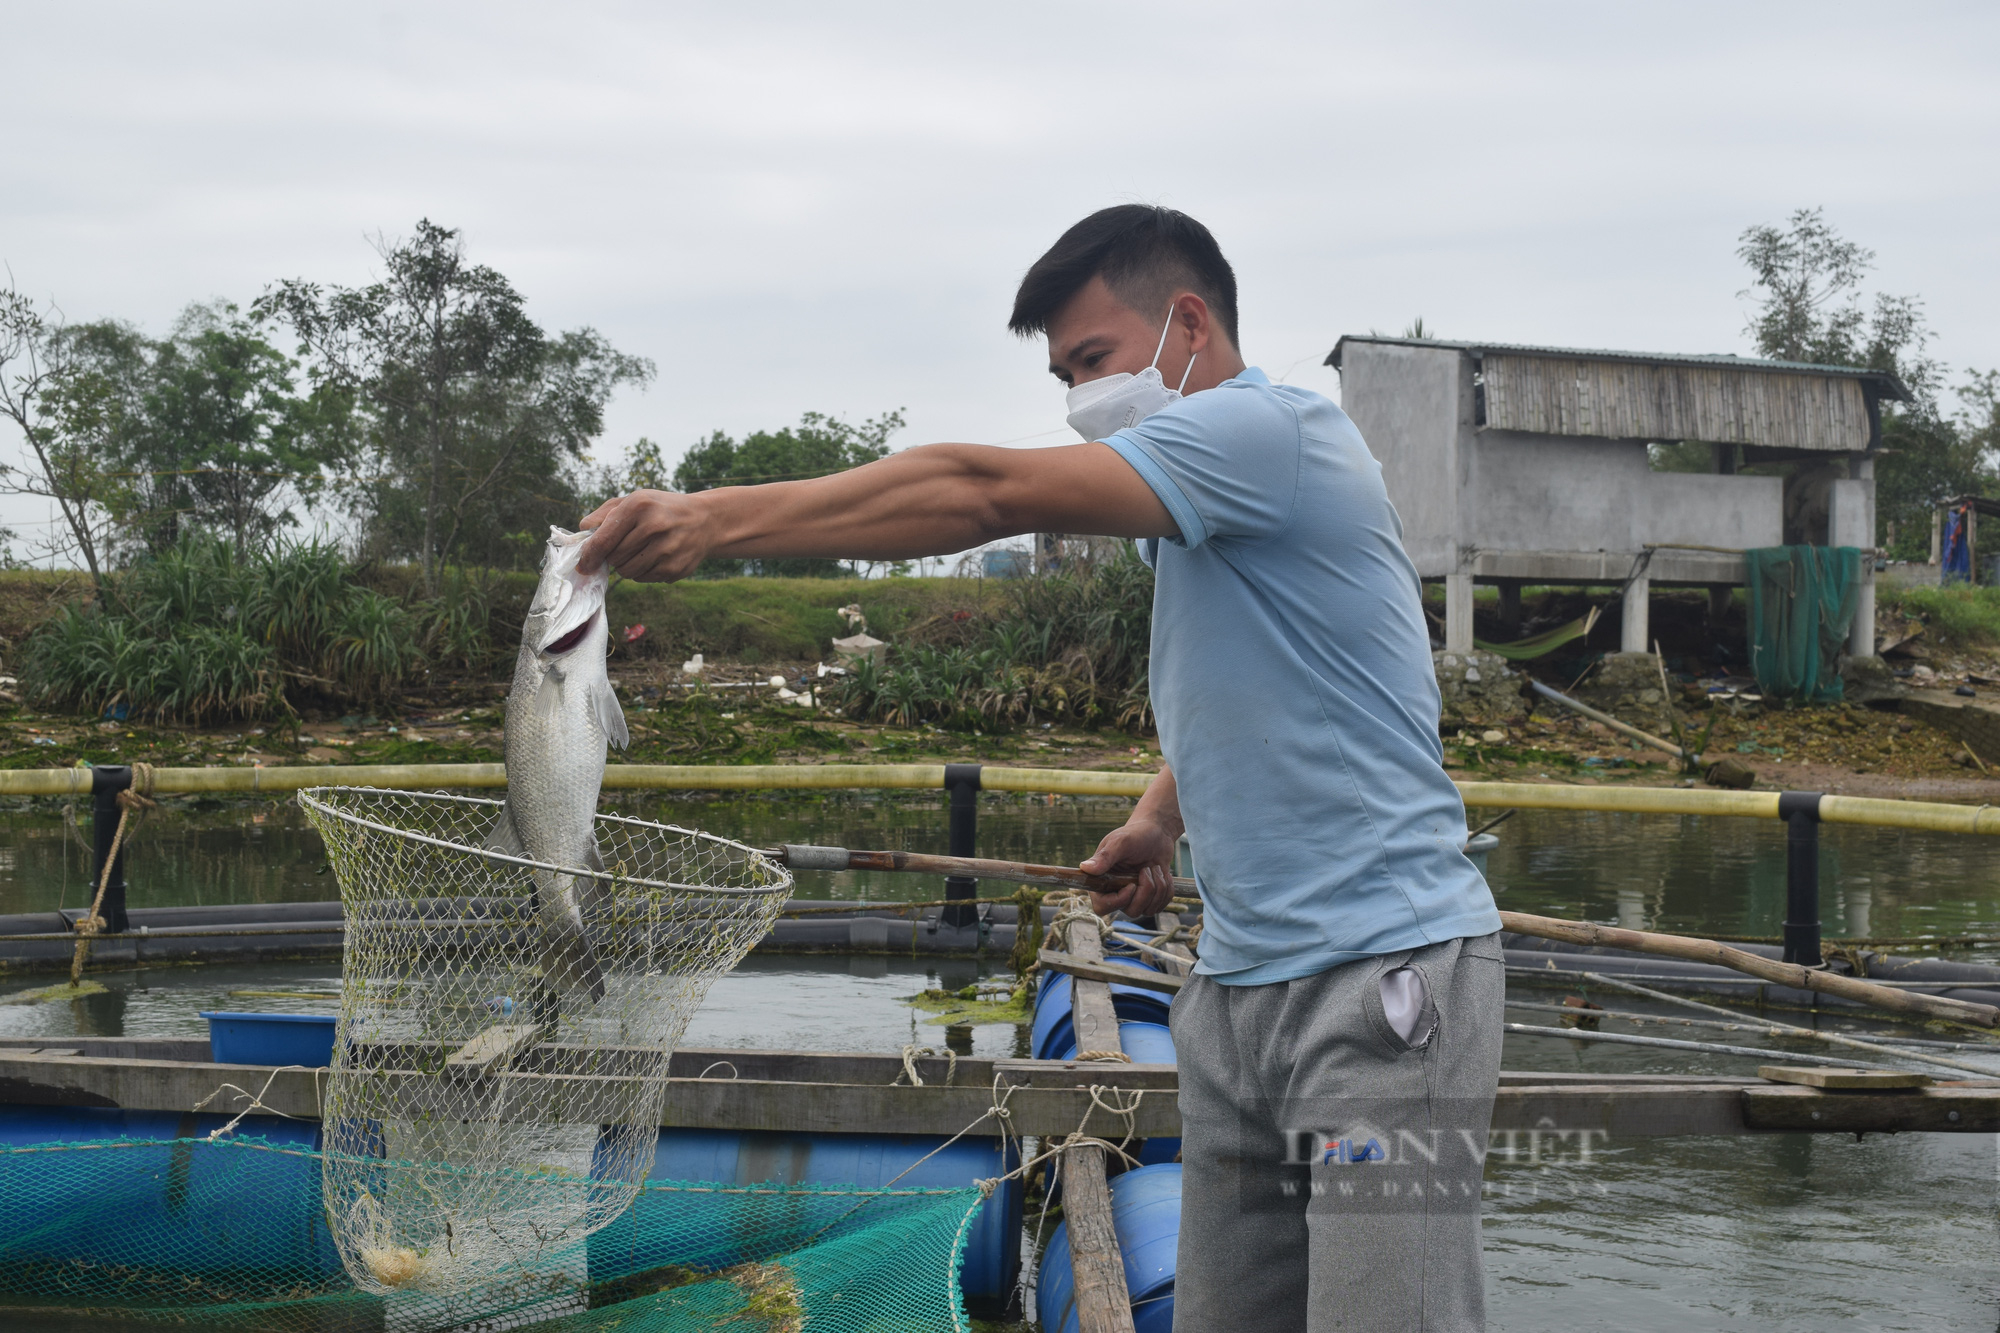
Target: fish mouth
571,639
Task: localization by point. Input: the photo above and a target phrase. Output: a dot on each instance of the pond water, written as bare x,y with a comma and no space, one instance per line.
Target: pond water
1783,1232
1678,873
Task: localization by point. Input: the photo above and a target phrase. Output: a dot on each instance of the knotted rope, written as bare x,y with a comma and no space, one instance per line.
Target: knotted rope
910,1054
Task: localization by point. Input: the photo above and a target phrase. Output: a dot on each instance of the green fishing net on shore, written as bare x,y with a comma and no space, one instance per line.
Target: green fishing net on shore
1802,601
135,1234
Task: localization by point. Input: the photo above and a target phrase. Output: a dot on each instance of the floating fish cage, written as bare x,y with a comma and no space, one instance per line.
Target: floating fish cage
475,1073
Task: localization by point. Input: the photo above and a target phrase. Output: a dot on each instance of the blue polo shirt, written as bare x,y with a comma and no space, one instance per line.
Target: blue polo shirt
1292,682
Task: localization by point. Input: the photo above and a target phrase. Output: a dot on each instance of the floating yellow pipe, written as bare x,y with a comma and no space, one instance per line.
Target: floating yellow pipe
1928,816
1925,816
1626,800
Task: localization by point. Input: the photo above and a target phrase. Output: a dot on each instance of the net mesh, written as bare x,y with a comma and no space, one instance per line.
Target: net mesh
233,1235
501,1059
1802,601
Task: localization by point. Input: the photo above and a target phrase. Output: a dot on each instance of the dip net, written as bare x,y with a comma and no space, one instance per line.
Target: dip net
233,1235
506,1026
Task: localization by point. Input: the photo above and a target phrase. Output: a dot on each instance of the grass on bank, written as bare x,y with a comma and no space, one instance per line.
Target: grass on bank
1959,614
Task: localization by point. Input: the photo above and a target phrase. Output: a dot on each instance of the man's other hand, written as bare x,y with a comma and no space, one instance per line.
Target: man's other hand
1141,847
653,536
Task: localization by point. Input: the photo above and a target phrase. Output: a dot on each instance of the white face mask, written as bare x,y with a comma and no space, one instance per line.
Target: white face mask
1106,406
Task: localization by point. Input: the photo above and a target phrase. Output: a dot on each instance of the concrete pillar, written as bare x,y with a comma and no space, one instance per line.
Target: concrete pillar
1861,638
1510,608
1458,613
1850,522
1633,636
1858,902
1720,595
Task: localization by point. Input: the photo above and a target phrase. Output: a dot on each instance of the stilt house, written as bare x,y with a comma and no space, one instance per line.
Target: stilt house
1514,465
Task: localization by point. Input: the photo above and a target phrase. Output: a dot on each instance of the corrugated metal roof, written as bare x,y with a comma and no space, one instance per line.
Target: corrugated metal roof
1886,385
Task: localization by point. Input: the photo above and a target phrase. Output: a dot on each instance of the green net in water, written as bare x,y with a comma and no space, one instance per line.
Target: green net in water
137,1234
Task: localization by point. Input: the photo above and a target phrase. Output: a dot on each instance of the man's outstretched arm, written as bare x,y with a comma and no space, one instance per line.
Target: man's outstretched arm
931,500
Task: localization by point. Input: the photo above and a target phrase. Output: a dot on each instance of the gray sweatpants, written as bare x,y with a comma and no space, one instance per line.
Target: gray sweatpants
1332,1170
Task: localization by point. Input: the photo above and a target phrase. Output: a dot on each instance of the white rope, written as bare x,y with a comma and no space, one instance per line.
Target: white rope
257,1099
1161,954
910,1054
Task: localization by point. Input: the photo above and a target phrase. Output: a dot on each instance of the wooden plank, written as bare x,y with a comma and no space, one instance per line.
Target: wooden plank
1616,399
1845,1079
1049,1097
1617,1110
1095,1020
129,1048
830,1108
1089,972
1946,1107
492,1049
1057,1104
1103,1305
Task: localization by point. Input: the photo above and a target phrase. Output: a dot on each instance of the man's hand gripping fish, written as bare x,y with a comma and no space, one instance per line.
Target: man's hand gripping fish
560,715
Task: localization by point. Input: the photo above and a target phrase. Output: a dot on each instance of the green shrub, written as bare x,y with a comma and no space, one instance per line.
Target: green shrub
202,632
1072,645
1959,613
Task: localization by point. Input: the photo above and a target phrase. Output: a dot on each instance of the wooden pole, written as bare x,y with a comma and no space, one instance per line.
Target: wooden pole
1521,923
1605,719
1091,1009
1102,974
1103,1305
1721,955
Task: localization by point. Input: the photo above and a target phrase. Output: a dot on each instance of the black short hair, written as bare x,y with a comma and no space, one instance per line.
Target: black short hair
1144,253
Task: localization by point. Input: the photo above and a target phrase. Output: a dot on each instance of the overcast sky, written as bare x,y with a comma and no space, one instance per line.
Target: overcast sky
798,207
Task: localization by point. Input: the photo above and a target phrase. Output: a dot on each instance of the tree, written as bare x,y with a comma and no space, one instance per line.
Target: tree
222,440
68,391
818,446
473,413
1807,280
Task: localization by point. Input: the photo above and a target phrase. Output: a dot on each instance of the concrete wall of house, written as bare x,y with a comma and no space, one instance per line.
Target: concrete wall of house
1694,509
1547,493
1412,404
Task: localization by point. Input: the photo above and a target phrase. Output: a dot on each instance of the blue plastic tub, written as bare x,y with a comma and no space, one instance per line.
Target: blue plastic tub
1146,1214
270,1039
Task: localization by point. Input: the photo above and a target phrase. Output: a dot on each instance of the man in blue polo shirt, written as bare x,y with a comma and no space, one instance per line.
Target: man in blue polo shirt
1339,1043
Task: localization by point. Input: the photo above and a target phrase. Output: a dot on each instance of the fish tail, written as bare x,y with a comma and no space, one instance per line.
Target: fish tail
572,962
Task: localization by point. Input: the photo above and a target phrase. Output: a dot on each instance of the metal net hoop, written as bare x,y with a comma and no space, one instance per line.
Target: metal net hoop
485,1110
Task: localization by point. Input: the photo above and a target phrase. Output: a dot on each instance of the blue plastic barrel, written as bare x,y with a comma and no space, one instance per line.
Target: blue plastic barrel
753,1157
1147,1044
1055,1028
270,1039
1146,1214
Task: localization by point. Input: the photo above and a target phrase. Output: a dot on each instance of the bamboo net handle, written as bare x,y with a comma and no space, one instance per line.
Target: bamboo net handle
1521,923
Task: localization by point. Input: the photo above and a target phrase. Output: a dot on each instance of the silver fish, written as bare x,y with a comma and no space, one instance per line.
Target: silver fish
561,714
